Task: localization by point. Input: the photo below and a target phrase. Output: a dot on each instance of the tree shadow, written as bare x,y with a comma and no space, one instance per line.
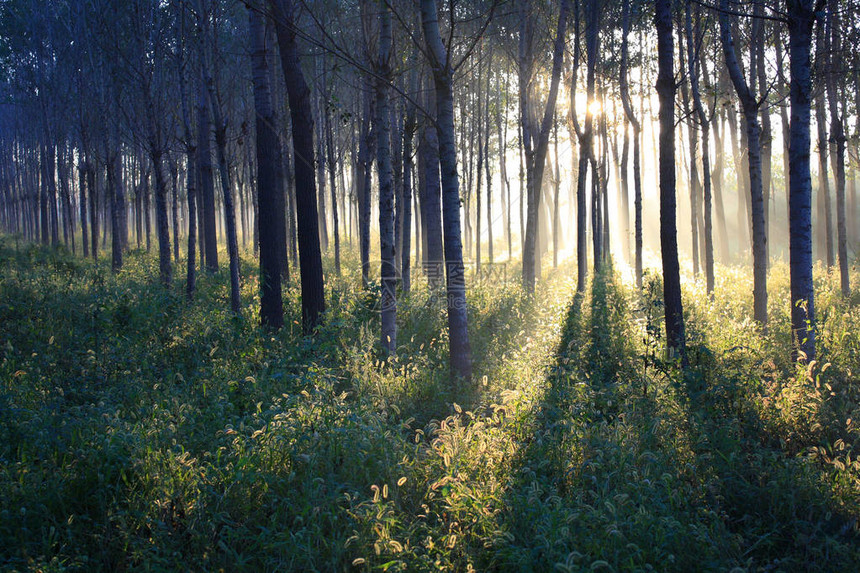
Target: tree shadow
681,478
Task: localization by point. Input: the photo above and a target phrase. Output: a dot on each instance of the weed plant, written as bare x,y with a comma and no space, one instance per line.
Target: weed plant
140,431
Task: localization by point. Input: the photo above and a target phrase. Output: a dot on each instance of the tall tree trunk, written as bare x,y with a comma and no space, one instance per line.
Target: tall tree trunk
801,15
382,126
556,181
94,205
431,201
270,180
310,259
206,182
162,223
536,143
674,313
584,137
174,180
330,161
478,126
66,201
825,216
49,173
694,40
117,206
502,125
220,131
365,162
837,147
487,164
82,188
406,191
320,169
44,217
147,207
460,351
191,191
686,61
717,183
750,111
783,115
766,130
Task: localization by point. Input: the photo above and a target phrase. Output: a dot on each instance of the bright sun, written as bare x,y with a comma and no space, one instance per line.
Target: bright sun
594,107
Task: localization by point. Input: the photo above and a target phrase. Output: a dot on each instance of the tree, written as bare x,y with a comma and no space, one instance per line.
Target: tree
443,73
270,181
386,184
406,198
536,137
837,147
310,258
750,106
673,307
637,137
220,129
693,60
801,15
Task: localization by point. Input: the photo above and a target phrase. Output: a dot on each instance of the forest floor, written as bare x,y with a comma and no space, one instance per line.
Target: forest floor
142,432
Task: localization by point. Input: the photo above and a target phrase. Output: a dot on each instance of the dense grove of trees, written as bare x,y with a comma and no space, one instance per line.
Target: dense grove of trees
276,125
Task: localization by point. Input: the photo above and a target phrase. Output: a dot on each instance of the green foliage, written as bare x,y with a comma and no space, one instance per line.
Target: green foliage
140,431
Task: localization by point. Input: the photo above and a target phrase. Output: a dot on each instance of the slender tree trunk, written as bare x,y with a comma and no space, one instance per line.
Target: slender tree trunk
801,15
310,259
365,162
692,142
750,110
837,148
717,182
191,191
825,217
270,180
117,205
44,217
637,138
49,173
147,207
487,164
431,202
386,185
460,352
478,126
206,182
766,130
174,180
555,201
65,198
536,143
502,124
83,192
693,60
162,223
320,169
783,115
406,201
585,151
674,313
94,205
330,161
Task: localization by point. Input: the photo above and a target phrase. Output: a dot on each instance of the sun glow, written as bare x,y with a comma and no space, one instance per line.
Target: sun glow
595,107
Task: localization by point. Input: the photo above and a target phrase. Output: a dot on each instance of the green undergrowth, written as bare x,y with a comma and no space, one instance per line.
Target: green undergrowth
140,431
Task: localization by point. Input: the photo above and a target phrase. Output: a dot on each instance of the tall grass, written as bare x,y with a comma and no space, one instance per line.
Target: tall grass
139,431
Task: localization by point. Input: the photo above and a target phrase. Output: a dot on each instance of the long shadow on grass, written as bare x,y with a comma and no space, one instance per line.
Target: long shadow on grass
786,512
679,479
